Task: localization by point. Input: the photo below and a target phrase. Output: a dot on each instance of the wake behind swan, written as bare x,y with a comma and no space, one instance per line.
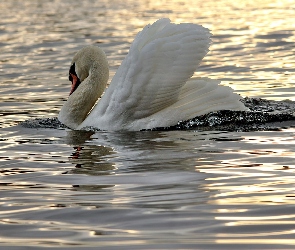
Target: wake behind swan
152,88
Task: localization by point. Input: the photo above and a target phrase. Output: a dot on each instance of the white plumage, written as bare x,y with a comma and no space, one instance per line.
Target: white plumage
152,87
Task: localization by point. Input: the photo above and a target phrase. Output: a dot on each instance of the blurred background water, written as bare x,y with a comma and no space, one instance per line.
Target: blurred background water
143,190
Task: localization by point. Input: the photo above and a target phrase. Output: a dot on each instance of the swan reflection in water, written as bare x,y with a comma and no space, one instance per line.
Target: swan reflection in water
106,153
88,158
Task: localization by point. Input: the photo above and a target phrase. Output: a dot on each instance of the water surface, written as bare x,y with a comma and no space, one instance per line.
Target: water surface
143,190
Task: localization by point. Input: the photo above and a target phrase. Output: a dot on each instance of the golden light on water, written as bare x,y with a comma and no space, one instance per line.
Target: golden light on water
252,241
250,37
181,187
261,177
251,49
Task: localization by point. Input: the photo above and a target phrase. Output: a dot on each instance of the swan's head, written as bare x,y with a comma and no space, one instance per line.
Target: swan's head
89,73
89,60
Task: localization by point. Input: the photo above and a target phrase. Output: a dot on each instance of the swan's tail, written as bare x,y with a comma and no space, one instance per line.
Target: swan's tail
198,96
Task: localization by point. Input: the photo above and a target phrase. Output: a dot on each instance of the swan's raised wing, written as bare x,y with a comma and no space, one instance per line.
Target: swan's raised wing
161,59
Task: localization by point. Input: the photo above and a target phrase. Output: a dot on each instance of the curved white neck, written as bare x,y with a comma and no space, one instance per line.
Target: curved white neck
81,101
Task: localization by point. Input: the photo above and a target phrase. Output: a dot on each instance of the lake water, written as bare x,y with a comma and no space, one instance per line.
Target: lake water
190,189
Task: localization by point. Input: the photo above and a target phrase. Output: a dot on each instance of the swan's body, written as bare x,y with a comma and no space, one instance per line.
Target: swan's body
152,87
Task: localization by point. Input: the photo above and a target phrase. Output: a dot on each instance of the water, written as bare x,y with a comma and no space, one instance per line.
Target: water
188,189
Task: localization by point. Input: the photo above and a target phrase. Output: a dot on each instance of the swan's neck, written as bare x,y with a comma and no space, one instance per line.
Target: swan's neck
81,101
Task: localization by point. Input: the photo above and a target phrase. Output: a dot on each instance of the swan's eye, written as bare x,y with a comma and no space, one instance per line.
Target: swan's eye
72,71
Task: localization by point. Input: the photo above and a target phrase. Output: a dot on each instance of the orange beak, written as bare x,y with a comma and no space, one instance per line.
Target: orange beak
75,83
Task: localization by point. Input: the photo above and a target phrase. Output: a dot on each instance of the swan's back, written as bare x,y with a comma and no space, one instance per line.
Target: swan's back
150,81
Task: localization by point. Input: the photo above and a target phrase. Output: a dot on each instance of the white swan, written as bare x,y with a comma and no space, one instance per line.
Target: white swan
152,87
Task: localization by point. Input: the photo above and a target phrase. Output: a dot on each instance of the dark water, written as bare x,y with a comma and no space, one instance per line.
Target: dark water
188,189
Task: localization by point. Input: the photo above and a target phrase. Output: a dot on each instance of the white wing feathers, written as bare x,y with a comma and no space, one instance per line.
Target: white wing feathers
151,85
199,96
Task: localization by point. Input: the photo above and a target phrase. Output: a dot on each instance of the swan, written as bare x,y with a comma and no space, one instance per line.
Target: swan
152,87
